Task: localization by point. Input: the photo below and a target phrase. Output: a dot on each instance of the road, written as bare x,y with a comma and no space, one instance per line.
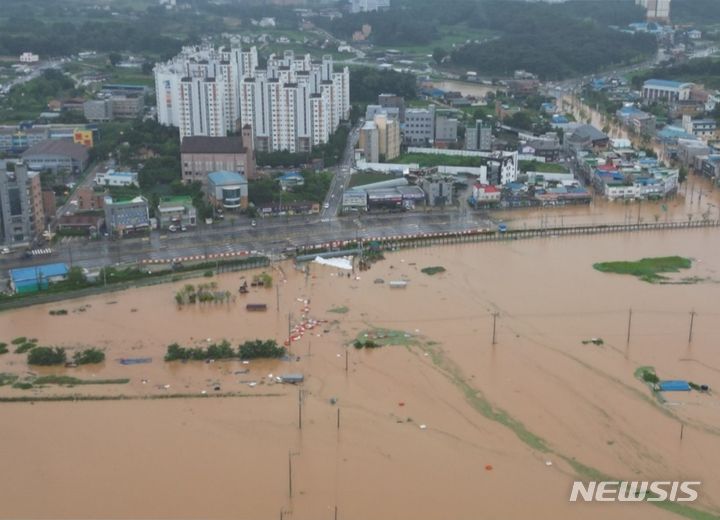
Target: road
341,179
271,236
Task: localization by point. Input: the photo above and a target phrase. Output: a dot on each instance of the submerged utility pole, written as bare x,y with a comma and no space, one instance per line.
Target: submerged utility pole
628,327
692,322
495,315
299,408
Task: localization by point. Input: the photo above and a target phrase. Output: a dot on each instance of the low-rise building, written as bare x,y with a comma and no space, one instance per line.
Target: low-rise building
586,137
89,222
479,137
56,155
176,211
202,155
702,128
88,199
227,190
36,278
438,188
98,110
664,90
290,180
126,216
116,178
484,194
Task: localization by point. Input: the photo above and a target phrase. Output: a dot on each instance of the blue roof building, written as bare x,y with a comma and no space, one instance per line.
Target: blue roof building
290,180
36,278
228,190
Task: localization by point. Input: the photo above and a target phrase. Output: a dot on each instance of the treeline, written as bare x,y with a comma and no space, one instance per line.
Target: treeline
267,189
700,12
28,99
368,83
552,40
248,350
329,153
704,70
551,43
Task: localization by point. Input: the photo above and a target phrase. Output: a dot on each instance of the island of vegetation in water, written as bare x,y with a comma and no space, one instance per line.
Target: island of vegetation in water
647,269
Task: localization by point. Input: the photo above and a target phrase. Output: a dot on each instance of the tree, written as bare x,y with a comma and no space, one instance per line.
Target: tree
89,356
439,54
114,58
45,356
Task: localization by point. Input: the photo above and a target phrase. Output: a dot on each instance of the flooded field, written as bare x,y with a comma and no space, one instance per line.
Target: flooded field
443,424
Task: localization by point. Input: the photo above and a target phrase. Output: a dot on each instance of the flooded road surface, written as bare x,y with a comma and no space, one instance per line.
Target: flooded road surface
445,424
698,198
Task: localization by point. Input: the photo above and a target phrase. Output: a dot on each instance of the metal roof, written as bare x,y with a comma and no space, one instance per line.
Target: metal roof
226,177
38,272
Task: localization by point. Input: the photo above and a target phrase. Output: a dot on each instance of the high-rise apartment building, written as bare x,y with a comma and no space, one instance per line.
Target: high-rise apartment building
293,104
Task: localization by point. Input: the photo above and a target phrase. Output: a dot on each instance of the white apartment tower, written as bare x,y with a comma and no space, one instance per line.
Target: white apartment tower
292,104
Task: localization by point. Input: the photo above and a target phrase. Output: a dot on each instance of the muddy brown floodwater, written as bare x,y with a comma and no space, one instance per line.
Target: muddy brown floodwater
507,427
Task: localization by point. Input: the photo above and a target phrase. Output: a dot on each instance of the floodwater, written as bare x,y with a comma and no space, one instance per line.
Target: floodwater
507,425
697,199
466,88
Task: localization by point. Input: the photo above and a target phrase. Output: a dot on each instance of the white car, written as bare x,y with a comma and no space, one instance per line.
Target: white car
172,229
326,205
5,251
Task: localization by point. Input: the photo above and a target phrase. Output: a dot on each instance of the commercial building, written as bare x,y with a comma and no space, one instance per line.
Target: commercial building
479,137
664,90
98,110
393,101
368,142
126,216
446,128
364,6
228,190
292,104
176,211
56,155
89,199
202,155
586,137
36,278
16,139
22,216
438,189
702,128
419,126
29,57
548,149
115,178
89,222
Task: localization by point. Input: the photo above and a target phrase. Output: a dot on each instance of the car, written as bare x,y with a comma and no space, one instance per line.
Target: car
326,205
253,223
5,251
183,228
172,229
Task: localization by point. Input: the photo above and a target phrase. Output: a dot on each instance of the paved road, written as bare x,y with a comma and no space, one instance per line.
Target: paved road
341,179
271,236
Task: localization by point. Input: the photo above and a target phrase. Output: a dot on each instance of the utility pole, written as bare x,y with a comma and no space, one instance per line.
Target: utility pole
277,297
346,360
628,327
682,430
299,408
290,473
495,315
338,419
692,322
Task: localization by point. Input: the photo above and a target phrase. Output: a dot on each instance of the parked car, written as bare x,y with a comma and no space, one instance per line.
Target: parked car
172,229
253,223
5,251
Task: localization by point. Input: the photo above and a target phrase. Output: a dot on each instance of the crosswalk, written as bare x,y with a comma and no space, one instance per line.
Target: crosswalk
40,252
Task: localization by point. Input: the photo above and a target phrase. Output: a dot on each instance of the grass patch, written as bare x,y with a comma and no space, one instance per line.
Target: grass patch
7,379
340,310
19,341
4,348
433,270
383,337
646,269
429,160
